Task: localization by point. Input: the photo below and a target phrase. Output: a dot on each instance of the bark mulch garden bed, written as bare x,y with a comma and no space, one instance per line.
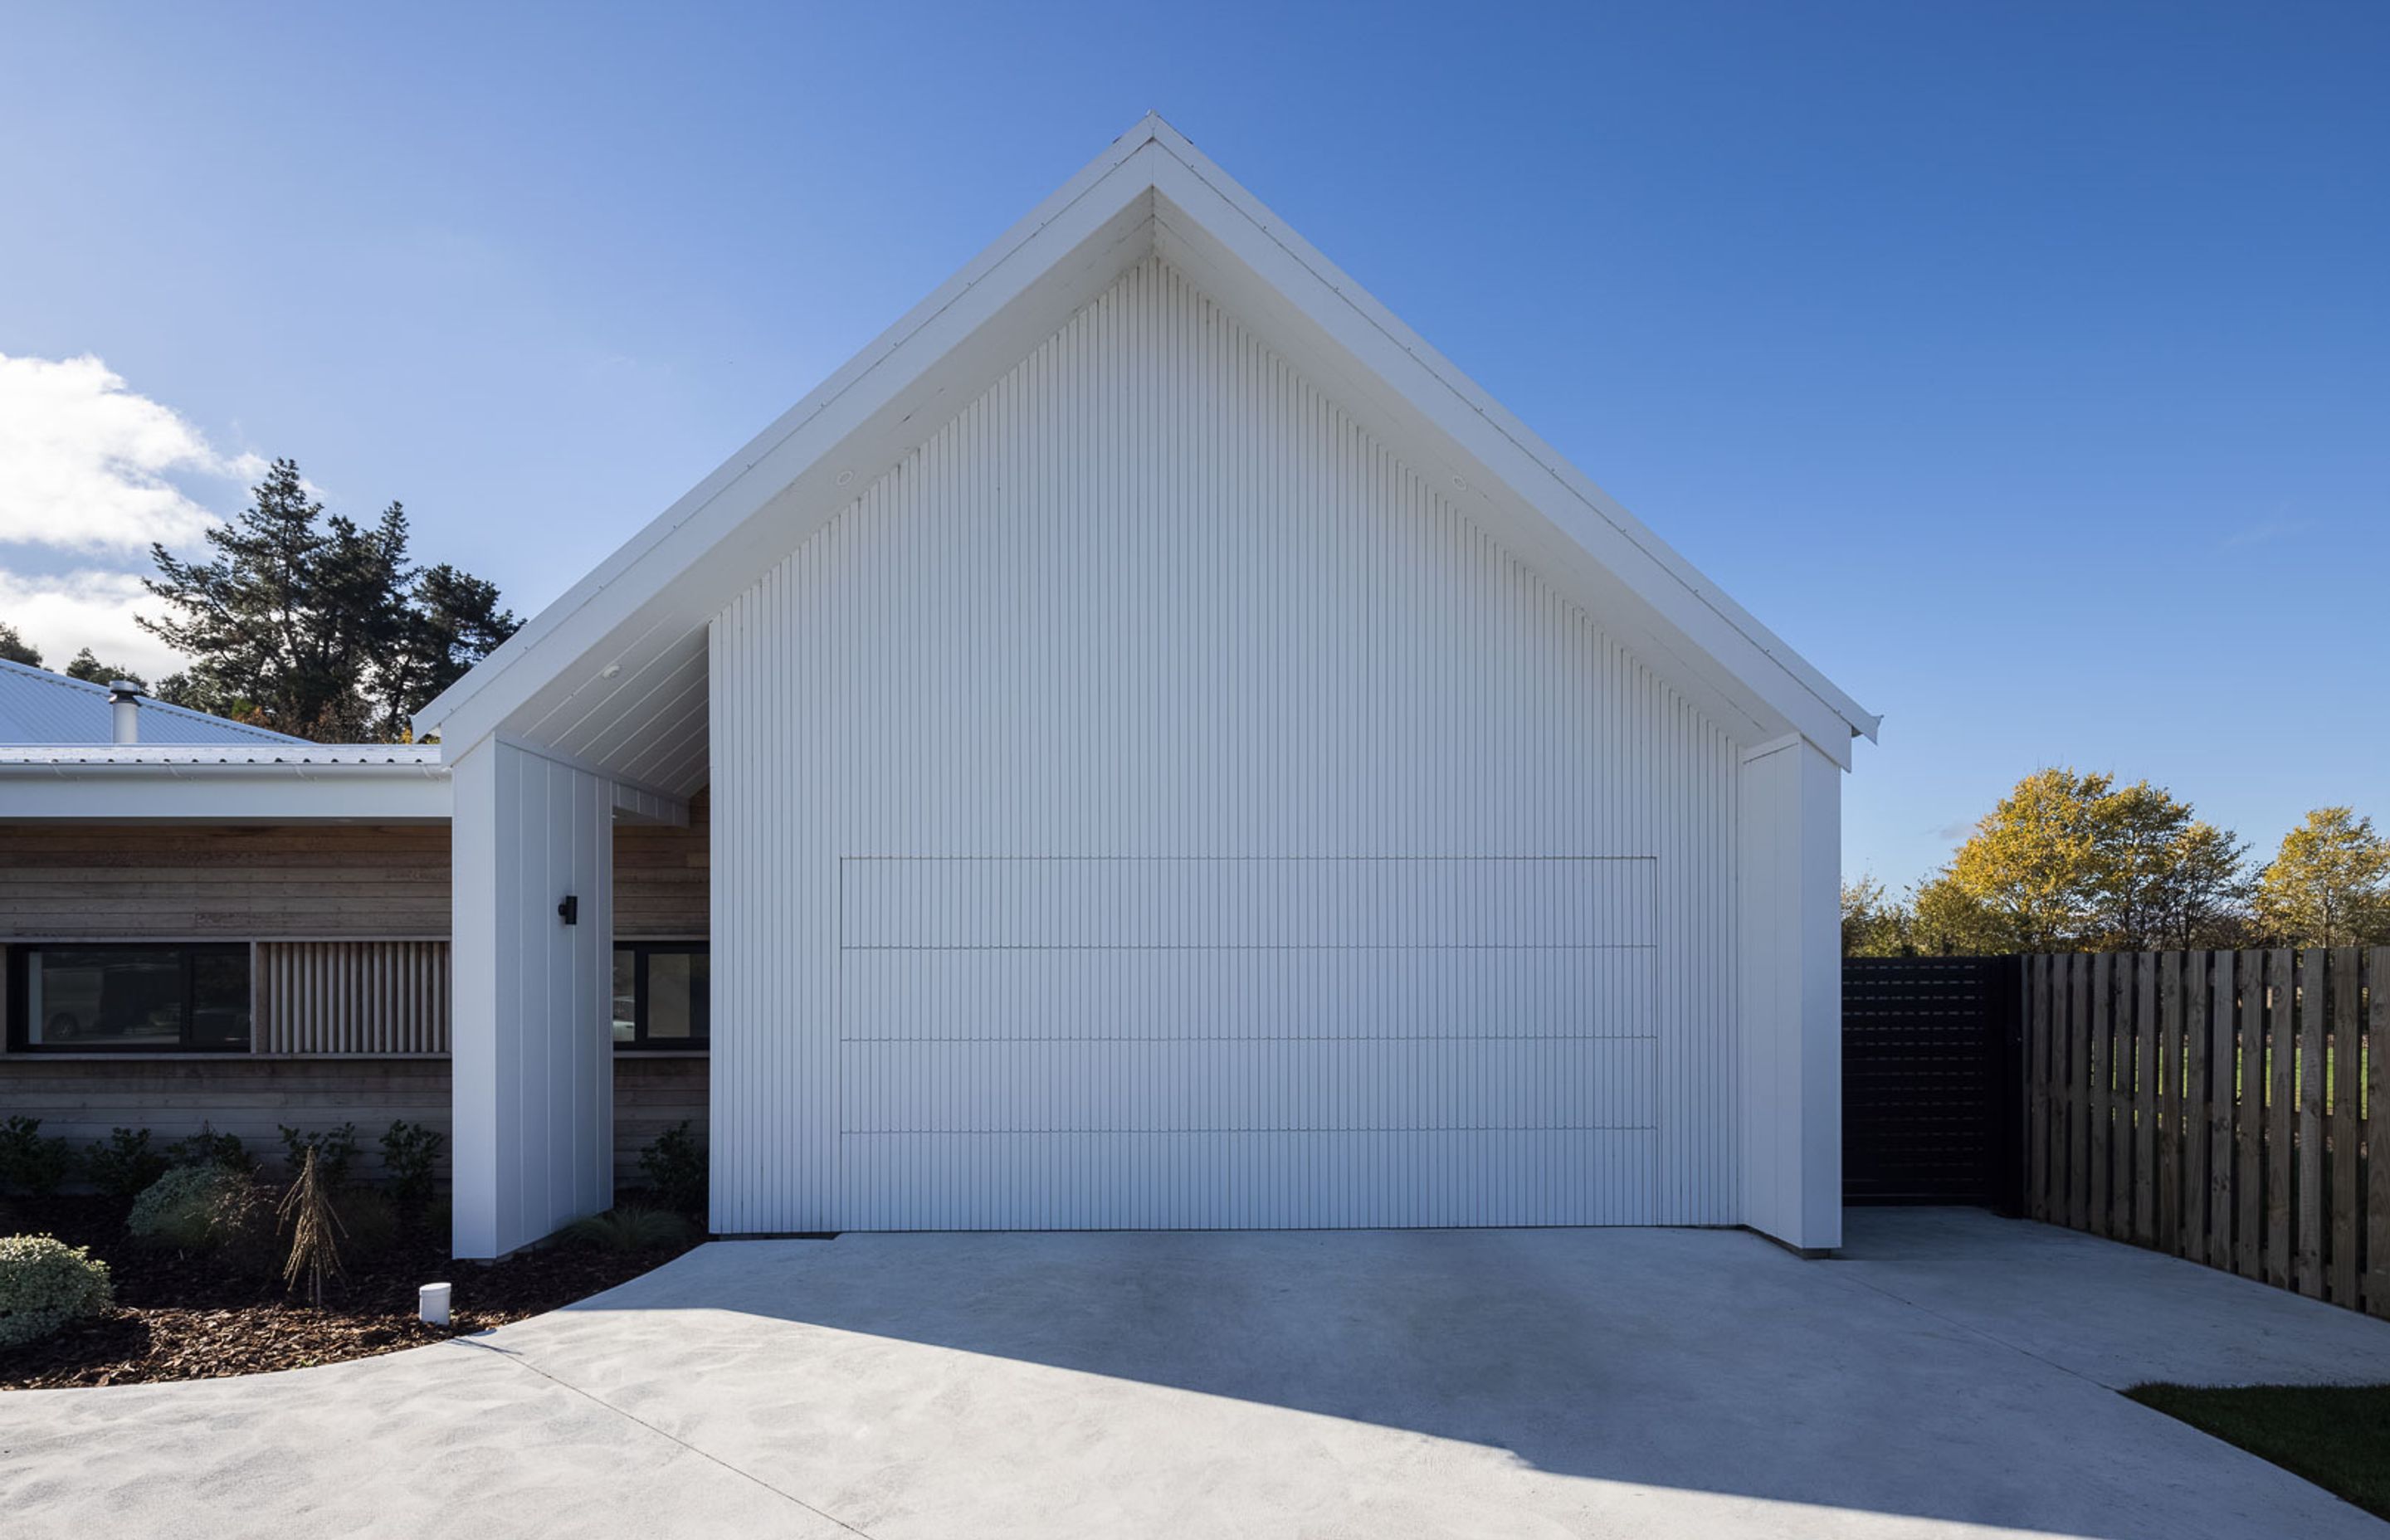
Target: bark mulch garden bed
181,1317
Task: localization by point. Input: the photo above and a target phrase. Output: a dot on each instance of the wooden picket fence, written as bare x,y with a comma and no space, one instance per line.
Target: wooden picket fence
2218,1106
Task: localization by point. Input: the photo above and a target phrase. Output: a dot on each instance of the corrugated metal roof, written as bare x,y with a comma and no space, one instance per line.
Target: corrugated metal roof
39,707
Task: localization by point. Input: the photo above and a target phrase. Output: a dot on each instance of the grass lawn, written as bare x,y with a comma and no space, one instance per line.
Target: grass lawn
2337,1436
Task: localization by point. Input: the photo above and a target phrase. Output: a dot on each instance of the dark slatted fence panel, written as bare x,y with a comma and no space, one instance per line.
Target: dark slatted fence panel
1932,1080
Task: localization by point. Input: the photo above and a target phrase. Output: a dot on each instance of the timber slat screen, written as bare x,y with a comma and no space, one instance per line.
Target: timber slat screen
351,997
1932,1081
2217,1106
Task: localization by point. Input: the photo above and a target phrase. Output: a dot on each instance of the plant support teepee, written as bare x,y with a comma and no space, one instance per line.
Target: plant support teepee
314,1226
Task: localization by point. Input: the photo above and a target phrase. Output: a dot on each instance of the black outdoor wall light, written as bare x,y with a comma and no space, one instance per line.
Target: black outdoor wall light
569,910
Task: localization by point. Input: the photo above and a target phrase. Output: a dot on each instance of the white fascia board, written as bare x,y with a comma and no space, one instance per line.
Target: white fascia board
227,793
1204,214
773,467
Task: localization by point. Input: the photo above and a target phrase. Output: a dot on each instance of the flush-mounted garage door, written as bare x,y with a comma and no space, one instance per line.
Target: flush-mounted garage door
1245,1043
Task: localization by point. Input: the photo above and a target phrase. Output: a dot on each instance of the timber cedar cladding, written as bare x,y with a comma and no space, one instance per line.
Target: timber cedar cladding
256,882
350,920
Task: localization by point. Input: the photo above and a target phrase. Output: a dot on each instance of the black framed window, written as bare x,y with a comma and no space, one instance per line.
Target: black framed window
138,997
662,994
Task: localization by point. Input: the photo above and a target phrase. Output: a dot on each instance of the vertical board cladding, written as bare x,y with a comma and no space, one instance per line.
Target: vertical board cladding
533,1035
1152,802
1787,970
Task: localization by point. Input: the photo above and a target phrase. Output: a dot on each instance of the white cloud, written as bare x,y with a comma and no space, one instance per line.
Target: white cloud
84,462
72,610
2267,530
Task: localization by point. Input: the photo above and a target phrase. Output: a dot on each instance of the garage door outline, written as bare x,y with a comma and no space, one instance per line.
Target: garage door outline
1006,1095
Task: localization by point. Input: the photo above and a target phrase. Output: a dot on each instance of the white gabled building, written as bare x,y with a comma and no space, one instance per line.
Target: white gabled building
1180,755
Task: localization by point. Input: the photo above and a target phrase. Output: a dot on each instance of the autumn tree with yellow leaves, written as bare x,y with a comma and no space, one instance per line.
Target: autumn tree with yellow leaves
2066,862
2329,885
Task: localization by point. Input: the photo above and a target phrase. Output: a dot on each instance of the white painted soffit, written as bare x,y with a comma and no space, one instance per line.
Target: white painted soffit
642,613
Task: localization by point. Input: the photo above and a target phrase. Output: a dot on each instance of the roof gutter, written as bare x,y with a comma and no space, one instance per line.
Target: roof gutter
270,792
101,770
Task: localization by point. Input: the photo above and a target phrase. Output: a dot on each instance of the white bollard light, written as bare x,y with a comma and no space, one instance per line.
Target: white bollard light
432,1303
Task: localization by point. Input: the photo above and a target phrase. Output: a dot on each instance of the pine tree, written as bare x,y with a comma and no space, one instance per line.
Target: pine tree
86,666
310,624
15,648
452,621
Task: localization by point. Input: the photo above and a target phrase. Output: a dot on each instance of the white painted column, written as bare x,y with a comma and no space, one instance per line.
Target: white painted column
1789,992
531,1019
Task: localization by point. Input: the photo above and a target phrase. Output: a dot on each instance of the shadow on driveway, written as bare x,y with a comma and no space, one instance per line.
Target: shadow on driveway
1668,1381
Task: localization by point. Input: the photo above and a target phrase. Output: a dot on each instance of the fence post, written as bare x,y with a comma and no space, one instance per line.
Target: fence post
2141,1065
2249,1178
2104,1093
2073,1158
2377,1116
2307,1234
2347,1207
2217,991
2193,1120
2282,1105
2011,1092
2165,1064
2037,1067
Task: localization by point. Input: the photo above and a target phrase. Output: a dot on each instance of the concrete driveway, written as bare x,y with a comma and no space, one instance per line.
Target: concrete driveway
1950,1376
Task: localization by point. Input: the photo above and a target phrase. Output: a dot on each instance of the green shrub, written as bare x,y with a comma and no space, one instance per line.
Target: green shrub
126,1165
408,1153
675,1167
178,1209
628,1229
44,1284
335,1150
369,1220
208,1148
207,1209
30,1163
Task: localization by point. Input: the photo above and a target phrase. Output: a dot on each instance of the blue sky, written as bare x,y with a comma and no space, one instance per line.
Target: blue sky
2026,366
